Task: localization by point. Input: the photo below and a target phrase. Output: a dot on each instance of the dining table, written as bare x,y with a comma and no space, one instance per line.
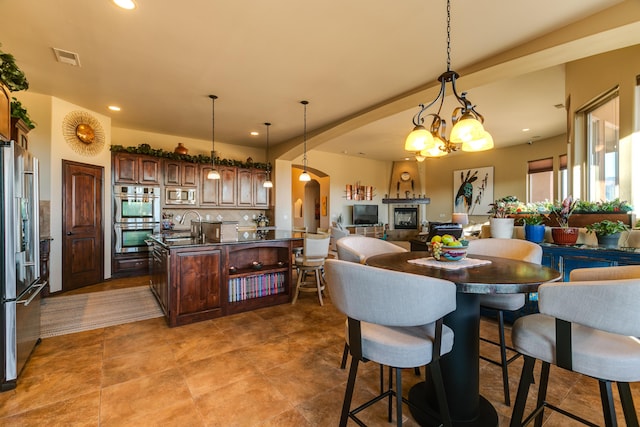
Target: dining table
473,277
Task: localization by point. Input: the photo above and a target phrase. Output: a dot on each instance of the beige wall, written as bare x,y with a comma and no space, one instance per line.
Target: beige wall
586,80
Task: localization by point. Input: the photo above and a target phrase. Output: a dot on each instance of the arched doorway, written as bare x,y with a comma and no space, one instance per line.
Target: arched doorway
311,205
310,200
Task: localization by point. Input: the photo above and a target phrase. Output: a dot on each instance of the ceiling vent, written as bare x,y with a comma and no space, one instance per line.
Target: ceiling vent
67,57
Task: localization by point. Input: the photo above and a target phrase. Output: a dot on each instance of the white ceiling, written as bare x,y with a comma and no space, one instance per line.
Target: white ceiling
363,65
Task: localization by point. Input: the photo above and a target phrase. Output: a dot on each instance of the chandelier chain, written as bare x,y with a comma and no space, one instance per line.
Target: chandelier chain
213,129
448,35
304,158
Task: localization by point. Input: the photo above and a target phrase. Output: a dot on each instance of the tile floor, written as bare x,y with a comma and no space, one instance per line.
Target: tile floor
276,366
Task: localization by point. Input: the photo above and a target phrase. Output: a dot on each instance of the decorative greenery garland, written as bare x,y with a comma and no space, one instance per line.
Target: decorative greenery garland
147,150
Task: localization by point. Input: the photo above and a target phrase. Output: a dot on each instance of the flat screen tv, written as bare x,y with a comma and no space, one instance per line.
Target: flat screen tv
365,214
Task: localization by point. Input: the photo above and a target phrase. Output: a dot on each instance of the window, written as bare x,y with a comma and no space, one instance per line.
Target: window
540,180
602,121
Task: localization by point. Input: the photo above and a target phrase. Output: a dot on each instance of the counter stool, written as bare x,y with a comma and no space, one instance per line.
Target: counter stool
314,253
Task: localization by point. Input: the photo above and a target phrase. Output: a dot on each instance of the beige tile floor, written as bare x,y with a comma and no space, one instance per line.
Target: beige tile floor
276,366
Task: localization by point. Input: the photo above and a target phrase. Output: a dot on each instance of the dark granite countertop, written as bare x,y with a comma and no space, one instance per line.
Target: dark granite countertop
174,239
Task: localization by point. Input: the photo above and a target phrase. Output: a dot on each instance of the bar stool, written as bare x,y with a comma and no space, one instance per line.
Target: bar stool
315,251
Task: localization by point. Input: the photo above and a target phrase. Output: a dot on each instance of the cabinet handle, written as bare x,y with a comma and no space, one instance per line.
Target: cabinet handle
69,233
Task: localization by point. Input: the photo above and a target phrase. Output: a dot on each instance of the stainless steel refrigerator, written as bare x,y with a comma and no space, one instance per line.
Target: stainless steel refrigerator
19,260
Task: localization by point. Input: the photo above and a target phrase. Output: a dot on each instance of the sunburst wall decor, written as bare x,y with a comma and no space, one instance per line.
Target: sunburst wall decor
83,133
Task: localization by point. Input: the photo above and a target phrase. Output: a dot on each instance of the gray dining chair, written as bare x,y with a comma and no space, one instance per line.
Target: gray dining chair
357,249
395,319
522,250
589,327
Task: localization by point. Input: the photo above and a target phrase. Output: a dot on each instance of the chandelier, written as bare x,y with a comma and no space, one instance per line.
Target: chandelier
467,122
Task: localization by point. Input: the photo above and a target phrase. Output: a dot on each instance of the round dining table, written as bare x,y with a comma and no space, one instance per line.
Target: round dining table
461,367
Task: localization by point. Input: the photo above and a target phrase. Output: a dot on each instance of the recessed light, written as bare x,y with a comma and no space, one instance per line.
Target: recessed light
254,133
125,4
114,108
526,130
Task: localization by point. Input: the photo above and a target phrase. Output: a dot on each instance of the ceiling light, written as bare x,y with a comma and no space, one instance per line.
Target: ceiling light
268,183
213,173
304,176
113,108
467,122
526,130
254,133
125,4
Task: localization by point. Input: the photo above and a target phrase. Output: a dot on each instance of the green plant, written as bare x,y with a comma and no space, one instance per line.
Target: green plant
533,219
506,206
564,210
606,227
11,74
615,205
19,112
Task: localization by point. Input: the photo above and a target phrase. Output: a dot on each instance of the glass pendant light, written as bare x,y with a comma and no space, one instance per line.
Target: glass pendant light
213,173
268,183
304,176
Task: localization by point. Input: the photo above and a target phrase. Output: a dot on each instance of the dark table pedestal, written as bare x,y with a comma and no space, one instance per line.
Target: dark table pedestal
460,371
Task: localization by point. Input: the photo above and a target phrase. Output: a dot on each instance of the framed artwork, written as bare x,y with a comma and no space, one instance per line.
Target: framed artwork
473,190
324,205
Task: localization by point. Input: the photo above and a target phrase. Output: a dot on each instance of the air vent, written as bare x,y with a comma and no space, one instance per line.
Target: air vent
67,57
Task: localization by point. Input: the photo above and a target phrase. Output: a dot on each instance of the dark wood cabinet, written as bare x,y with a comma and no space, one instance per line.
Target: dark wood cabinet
159,276
260,193
19,131
227,186
135,169
178,173
129,265
208,189
194,292
245,188
5,113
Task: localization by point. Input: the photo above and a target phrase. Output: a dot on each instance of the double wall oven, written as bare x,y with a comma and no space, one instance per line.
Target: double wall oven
136,214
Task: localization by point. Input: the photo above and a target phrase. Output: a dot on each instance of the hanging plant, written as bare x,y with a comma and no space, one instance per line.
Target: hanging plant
11,74
19,112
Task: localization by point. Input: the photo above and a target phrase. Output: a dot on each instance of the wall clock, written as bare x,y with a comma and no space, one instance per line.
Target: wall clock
405,176
83,133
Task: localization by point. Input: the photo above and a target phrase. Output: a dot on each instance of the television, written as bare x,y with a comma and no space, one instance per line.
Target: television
365,214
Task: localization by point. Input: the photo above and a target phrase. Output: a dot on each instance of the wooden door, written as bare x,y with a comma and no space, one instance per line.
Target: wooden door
82,225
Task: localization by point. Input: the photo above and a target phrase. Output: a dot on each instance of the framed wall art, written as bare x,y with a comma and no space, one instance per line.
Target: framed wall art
473,190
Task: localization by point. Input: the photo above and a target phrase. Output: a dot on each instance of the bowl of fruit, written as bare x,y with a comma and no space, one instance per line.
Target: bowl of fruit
447,248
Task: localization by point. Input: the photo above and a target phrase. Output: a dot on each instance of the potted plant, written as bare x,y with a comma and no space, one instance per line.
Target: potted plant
534,227
19,112
501,223
564,235
10,74
607,232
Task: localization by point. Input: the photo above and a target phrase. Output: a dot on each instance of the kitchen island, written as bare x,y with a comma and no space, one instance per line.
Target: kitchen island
197,280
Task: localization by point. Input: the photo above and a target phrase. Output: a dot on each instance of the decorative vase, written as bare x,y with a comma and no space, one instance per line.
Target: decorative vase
501,228
534,233
565,235
181,149
609,241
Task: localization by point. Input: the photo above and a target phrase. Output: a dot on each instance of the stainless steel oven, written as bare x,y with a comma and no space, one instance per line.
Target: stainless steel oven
136,204
130,237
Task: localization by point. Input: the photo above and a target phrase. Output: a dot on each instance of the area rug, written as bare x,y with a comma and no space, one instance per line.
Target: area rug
75,313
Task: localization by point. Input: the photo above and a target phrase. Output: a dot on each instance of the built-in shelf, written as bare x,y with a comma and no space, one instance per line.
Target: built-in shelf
420,201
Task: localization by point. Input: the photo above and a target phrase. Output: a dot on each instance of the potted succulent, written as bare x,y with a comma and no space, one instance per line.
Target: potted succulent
564,235
607,232
501,223
534,227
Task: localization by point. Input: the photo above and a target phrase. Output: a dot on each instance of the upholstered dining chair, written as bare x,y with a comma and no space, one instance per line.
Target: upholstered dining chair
314,252
357,249
513,249
590,326
395,319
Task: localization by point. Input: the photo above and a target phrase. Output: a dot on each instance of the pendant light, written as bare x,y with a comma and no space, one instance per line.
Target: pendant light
467,122
304,176
268,183
213,173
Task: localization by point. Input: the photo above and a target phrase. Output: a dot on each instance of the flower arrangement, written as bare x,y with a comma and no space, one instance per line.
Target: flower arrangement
611,206
533,219
262,220
563,211
505,206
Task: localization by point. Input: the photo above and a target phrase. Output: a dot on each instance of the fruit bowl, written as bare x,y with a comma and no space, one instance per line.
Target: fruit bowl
452,253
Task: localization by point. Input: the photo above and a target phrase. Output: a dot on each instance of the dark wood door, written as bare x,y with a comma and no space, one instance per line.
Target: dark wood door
82,225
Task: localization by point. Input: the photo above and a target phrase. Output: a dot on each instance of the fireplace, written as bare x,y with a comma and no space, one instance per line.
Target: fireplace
405,218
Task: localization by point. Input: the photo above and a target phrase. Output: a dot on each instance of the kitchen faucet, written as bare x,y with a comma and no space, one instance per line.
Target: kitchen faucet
199,235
